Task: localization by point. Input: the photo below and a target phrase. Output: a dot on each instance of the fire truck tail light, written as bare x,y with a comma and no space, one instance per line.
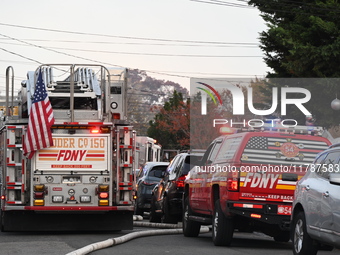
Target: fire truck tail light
38,202
103,188
85,199
95,131
39,187
232,184
257,216
3,197
116,116
103,202
57,199
39,195
103,195
105,130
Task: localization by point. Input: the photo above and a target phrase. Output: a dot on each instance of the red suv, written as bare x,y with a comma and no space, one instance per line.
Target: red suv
247,182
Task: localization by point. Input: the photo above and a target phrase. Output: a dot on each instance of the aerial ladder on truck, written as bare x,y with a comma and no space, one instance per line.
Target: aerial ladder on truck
85,180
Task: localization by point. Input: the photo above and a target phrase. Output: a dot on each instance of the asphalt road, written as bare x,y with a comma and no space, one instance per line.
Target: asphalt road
33,243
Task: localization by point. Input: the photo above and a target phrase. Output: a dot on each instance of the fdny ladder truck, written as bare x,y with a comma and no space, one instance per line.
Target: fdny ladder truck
85,180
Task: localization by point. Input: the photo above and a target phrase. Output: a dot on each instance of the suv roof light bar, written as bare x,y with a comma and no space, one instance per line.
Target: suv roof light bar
304,130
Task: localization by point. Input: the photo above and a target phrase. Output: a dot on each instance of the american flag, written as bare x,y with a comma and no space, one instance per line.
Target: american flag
261,149
41,119
257,142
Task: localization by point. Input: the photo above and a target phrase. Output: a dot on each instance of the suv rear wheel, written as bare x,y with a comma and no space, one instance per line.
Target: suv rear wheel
190,228
303,244
154,217
222,227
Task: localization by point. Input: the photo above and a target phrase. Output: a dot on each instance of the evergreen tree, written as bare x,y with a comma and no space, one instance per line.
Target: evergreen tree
303,41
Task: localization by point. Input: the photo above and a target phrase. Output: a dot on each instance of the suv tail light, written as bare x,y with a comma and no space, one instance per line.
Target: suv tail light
233,182
180,181
149,183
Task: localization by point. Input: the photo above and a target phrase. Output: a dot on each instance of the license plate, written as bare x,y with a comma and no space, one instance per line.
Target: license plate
284,210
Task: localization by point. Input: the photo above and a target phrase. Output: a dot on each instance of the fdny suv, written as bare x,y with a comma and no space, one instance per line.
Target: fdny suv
246,181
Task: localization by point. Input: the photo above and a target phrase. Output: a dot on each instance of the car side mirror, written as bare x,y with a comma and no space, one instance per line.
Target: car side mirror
334,179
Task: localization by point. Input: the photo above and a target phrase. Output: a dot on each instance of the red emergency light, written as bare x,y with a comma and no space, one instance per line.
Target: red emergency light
95,131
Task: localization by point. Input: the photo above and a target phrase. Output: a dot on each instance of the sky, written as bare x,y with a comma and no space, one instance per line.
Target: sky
169,39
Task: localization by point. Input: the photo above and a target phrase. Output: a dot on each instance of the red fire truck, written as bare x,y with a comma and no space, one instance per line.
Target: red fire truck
247,180
84,180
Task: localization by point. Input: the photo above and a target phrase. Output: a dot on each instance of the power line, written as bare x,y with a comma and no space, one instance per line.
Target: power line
114,36
219,74
19,55
145,54
267,10
226,44
87,59
224,4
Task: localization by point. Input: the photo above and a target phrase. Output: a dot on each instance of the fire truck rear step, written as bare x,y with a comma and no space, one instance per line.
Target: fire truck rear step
34,221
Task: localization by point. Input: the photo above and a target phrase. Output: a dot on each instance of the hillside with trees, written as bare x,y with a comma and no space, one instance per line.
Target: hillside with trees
145,95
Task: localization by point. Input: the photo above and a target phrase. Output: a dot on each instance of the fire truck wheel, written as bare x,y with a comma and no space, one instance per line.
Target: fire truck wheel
154,217
167,217
190,228
283,236
222,227
302,243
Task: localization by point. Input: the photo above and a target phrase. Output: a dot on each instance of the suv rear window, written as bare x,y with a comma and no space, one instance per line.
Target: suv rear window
189,162
281,150
229,148
156,171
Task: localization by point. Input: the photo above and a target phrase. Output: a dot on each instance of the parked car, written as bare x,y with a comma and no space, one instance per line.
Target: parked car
316,206
147,178
166,202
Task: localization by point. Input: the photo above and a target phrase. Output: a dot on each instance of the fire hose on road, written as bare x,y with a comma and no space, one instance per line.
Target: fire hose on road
166,229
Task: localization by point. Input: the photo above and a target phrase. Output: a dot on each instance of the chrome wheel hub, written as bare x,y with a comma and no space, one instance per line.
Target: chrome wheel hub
298,236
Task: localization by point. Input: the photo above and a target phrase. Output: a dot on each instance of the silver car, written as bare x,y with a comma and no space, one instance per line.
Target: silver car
316,206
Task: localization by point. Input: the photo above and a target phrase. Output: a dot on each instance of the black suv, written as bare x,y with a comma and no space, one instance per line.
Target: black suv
147,178
166,202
